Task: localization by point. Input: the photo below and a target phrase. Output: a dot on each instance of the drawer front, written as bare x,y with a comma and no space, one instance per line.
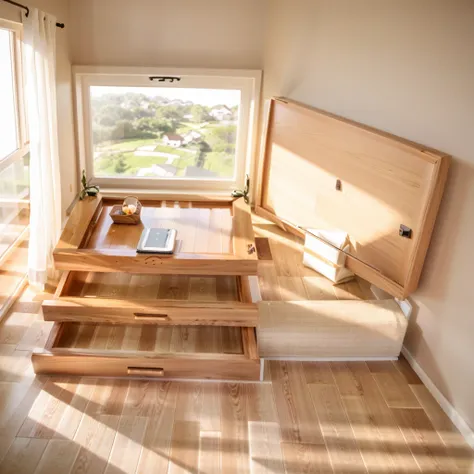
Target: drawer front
213,368
154,312
109,350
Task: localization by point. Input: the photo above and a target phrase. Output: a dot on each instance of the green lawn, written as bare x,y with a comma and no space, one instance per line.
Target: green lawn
171,150
104,165
130,145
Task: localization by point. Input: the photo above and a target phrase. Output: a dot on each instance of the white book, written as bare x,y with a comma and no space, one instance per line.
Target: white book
325,258
315,242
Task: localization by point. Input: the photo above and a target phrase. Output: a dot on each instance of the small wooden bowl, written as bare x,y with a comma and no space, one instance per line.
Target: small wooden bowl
119,217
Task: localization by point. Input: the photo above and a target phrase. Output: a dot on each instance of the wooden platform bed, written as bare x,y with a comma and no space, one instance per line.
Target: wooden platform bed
197,314
207,289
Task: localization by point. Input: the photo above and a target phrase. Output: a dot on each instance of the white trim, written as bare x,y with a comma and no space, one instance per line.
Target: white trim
247,81
443,402
405,306
161,71
22,139
330,359
17,155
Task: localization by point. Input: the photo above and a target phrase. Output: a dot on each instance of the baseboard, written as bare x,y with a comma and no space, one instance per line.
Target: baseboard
446,406
328,359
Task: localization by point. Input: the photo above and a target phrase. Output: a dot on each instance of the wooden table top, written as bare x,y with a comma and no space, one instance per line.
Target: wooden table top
202,229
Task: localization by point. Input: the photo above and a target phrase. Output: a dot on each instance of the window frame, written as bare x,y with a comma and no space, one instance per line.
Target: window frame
247,81
23,145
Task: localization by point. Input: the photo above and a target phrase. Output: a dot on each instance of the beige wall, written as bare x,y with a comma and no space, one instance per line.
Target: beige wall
182,33
406,67
60,9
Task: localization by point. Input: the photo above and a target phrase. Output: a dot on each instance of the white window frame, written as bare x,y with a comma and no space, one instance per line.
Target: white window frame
23,146
247,81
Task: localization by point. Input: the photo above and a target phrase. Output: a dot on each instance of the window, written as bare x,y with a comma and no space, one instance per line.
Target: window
192,131
14,158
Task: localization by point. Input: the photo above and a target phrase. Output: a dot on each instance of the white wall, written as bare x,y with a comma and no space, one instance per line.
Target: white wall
406,67
59,8
182,33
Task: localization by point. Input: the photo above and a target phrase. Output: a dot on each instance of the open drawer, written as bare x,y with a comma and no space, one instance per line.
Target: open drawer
155,299
188,352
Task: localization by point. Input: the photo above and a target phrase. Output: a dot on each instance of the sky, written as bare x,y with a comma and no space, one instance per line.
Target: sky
207,97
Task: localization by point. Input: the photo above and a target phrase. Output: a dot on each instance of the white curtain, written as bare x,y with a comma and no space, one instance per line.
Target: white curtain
45,191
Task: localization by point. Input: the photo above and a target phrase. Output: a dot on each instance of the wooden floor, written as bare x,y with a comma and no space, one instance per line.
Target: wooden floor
306,417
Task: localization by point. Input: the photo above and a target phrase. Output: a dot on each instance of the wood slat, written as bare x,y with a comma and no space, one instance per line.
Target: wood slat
337,433
243,235
59,456
424,442
456,446
23,456
393,385
264,432
298,420
234,418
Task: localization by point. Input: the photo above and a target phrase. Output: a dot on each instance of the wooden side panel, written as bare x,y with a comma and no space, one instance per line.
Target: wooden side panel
326,172
79,222
331,329
243,236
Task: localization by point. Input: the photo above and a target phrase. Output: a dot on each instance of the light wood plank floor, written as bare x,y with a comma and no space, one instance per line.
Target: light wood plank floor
339,417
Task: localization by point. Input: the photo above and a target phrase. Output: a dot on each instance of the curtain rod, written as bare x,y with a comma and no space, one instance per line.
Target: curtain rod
24,7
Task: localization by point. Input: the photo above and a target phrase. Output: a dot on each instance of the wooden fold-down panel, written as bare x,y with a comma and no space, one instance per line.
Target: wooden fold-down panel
108,350
322,171
214,238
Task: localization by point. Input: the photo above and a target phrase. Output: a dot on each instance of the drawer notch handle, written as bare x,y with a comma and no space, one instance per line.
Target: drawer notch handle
148,316
146,371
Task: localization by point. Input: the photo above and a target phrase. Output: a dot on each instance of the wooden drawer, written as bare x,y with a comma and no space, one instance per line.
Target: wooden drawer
152,299
183,352
331,329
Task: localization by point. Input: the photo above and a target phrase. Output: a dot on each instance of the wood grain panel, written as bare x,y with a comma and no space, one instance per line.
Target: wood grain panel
425,443
234,416
23,456
59,456
337,434
298,420
456,446
331,329
79,221
387,178
393,385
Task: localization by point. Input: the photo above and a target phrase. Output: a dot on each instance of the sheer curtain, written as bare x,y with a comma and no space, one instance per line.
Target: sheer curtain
45,191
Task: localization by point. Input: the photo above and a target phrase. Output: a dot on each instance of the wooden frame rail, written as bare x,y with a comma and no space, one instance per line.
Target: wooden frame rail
69,254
